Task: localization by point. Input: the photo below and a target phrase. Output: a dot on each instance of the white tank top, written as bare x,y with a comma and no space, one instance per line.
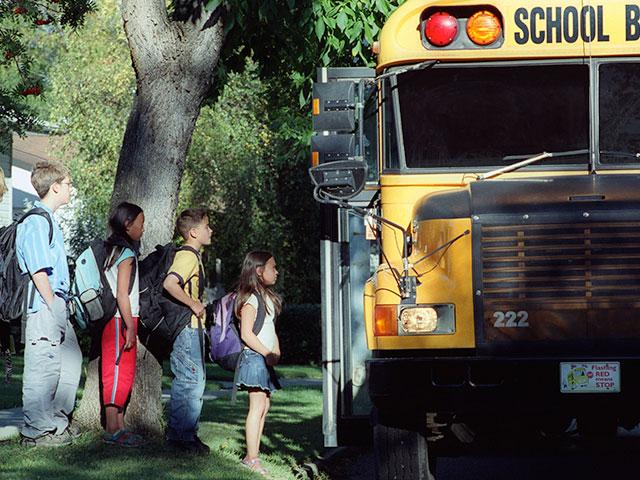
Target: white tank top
267,335
112,278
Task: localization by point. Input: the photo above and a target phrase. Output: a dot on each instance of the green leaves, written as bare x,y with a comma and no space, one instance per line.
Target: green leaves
213,4
342,21
320,27
22,77
351,24
92,86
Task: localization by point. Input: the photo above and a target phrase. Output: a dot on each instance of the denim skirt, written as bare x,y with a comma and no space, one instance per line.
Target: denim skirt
253,372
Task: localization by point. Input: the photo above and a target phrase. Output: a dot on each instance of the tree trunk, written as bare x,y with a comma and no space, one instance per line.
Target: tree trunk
174,64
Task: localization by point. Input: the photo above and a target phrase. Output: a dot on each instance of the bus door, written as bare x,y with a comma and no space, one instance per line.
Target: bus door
345,127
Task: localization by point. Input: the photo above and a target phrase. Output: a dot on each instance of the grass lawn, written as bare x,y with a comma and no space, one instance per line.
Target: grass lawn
293,434
216,374
11,394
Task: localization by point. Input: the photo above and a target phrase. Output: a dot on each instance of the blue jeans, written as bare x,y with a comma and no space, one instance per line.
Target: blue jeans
187,387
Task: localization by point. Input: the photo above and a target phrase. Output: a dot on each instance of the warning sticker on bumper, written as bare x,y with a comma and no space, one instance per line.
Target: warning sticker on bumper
590,377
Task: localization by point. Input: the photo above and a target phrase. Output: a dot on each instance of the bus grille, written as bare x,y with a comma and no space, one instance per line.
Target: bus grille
590,262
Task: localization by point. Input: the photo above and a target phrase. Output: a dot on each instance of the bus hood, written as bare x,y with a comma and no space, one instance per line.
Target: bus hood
562,194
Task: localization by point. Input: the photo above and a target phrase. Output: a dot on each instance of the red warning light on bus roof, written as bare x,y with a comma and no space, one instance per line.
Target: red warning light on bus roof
440,29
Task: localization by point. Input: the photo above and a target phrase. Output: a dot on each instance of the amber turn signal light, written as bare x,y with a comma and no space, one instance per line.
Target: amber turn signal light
386,321
484,28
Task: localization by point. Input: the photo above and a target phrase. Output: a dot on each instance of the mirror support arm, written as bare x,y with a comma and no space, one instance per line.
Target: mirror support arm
406,283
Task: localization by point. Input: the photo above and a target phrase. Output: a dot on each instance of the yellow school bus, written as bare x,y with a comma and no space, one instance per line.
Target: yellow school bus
493,159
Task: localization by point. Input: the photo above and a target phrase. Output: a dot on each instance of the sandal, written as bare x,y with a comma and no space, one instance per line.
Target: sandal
135,436
123,438
255,465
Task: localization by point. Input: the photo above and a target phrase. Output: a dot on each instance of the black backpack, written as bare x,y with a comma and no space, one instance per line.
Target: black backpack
13,282
162,318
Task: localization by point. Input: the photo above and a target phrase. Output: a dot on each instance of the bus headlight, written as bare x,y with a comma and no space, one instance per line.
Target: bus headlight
426,319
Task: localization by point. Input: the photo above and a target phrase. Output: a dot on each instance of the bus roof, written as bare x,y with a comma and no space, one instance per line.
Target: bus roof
535,29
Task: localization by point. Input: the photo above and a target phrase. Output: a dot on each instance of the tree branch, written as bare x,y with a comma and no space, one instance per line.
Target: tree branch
148,30
214,17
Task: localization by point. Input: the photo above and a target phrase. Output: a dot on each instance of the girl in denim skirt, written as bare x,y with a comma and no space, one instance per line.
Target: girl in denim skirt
262,349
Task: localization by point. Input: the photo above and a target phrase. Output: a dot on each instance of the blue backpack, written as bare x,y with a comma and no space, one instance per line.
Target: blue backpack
94,302
224,337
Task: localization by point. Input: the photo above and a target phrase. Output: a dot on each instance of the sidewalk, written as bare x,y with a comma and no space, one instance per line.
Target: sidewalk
10,422
11,419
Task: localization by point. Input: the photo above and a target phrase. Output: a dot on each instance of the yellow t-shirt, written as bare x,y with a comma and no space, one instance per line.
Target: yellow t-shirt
187,267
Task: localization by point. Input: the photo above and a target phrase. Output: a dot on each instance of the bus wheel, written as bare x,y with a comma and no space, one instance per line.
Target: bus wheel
400,449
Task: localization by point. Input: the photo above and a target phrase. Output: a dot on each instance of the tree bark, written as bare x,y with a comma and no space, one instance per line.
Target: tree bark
174,64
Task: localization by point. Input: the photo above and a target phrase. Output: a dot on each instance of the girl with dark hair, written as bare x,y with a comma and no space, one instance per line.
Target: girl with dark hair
255,295
119,341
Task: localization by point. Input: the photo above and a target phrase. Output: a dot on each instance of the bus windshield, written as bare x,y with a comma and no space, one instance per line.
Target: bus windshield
465,117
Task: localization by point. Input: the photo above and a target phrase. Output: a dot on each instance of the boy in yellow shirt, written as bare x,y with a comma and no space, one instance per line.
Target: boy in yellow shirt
184,283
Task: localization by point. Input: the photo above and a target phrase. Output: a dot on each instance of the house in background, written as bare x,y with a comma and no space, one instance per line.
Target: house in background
5,164
18,156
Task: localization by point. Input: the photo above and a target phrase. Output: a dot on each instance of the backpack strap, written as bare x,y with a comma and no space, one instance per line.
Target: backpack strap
261,314
200,292
43,213
31,290
187,248
134,267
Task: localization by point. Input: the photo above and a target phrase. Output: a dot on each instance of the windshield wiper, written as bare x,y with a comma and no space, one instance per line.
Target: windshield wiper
418,66
528,160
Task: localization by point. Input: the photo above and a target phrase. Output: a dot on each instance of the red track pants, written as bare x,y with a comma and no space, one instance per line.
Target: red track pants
117,366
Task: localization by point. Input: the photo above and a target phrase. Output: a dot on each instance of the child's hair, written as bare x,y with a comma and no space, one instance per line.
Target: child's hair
188,219
249,282
45,174
120,219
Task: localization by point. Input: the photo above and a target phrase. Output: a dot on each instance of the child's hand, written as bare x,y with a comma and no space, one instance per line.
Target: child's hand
272,359
197,308
129,338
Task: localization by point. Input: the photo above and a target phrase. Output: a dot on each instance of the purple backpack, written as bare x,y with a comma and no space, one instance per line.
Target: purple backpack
224,336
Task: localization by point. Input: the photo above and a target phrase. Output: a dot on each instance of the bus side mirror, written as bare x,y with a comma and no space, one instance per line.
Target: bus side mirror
334,106
340,146
339,180
334,122
332,147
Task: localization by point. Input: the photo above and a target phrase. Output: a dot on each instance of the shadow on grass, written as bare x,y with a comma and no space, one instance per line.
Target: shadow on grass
90,459
293,427
293,434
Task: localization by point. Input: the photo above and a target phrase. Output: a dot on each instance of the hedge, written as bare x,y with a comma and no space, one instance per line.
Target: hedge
299,333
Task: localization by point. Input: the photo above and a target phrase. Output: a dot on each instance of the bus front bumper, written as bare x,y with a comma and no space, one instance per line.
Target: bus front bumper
494,385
